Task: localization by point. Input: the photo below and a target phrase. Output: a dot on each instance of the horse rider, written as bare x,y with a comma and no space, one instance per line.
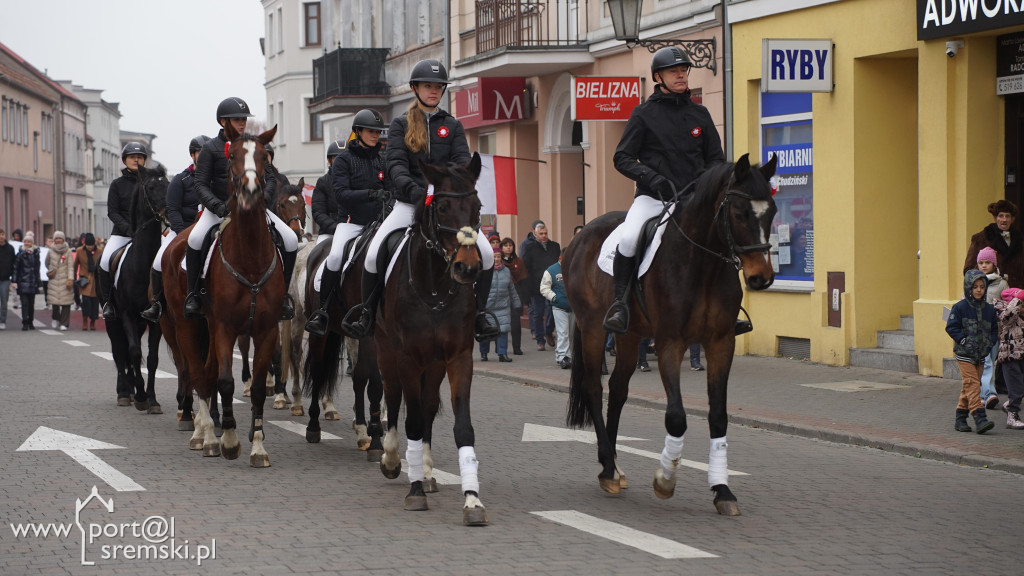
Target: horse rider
428,134
182,209
326,212
271,178
359,179
119,211
669,140
212,172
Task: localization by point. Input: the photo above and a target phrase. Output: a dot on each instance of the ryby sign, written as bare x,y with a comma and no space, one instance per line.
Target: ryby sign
796,65
491,101
604,97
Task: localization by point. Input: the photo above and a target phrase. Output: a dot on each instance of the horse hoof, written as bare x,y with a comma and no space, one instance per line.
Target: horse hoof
430,485
279,404
211,450
186,426
195,444
298,411
270,391
155,409
142,406
177,416
374,455
664,488
725,501
259,461
122,402
231,453
363,444
312,436
332,415
609,485
416,503
247,392
622,482
476,516
390,474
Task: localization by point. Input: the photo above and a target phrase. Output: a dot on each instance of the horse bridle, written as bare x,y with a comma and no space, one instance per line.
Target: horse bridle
725,229
235,180
158,215
434,244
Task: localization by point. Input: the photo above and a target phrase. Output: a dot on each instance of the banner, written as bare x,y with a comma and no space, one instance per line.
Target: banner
604,97
496,186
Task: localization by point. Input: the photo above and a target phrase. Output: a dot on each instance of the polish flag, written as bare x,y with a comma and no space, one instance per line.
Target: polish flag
307,194
497,184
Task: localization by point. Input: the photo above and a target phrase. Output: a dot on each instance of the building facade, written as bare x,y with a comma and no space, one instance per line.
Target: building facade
75,206
103,128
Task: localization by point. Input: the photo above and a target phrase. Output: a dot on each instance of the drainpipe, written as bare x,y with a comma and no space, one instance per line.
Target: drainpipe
727,89
446,15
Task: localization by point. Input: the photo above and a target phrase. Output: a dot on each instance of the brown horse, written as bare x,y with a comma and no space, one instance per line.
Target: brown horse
425,331
691,294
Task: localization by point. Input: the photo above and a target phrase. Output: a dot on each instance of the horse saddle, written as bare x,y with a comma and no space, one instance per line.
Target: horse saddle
116,259
391,249
354,247
213,236
647,246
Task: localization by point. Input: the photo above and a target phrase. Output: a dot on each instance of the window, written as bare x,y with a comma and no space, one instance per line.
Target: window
279,33
280,121
786,130
270,115
17,124
486,143
271,43
3,119
24,125
311,12
316,125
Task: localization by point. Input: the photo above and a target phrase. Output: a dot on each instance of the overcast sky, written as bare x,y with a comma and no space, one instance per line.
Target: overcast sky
167,63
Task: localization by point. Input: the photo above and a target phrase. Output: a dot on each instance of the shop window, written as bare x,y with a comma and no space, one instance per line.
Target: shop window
787,130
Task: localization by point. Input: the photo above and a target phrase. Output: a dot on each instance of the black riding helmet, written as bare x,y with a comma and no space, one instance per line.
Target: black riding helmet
233,108
368,118
668,57
334,149
133,148
429,70
197,144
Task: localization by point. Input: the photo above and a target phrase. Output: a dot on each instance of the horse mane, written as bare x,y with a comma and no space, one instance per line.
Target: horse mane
462,180
711,182
144,176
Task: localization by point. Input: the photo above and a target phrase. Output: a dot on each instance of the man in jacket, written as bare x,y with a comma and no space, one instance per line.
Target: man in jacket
6,271
538,256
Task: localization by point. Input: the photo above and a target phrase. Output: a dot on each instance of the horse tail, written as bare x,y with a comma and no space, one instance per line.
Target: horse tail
321,370
577,413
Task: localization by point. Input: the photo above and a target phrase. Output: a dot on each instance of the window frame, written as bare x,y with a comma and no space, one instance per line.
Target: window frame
307,19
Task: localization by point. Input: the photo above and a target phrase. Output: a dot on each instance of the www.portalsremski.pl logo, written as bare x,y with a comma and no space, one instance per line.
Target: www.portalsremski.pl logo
151,539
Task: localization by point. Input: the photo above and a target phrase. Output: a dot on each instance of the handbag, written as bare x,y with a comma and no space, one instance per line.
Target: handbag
82,282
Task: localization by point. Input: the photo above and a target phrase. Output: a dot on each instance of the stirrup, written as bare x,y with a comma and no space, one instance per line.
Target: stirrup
317,323
153,313
354,324
485,329
288,308
109,312
193,306
616,320
744,326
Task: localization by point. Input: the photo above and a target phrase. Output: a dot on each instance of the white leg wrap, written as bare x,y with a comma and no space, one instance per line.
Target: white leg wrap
467,468
670,455
718,462
414,455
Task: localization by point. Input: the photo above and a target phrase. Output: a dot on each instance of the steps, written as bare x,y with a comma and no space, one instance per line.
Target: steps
895,350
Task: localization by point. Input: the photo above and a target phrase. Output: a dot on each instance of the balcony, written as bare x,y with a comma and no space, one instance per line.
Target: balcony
349,79
519,37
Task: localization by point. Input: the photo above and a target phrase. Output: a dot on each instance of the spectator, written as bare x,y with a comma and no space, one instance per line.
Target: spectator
538,255
515,265
26,279
695,358
500,302
996,285
86,258
7,256
16,235
641,362
1011,353
59,270
529,236
553,289
1003,236
973,326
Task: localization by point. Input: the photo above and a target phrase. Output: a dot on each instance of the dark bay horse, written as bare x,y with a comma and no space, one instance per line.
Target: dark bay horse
692,294
131,266
425,331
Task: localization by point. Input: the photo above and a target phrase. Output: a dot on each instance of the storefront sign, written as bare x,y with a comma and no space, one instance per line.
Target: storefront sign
945,18
796,65
491,101
1010,64
604,97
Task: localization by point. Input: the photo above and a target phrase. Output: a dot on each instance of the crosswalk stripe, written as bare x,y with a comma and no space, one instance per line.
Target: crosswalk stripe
663,547
76,343
682,461
442,477
300,429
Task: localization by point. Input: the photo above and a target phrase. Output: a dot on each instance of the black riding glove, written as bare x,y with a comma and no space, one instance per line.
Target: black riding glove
221,210
661,185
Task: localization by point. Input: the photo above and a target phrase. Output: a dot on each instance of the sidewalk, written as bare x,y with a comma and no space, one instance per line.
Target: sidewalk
893,411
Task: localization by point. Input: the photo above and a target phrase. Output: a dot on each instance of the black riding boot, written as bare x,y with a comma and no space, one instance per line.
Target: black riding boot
106,282
317,324
194,268
156,308
288,309
365,312
617,318
486,325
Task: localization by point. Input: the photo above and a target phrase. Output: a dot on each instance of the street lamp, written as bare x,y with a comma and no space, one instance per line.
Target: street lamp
97,173
626,22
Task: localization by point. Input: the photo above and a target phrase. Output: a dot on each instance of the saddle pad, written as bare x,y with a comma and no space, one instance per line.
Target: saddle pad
398,252
607,255
344,267
124,255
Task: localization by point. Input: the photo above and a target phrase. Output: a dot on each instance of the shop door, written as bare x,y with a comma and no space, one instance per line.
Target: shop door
1014,148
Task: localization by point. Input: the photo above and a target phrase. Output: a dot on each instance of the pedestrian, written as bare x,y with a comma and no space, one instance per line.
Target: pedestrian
1003,236
695,364
7,256
641,362
86,258
1011,353
501,300
539,254
517,267
973,326
60,271
16,235
668,141
552,288
26,279
996,284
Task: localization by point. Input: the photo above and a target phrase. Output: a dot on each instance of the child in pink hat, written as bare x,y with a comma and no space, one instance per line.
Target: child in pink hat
996,285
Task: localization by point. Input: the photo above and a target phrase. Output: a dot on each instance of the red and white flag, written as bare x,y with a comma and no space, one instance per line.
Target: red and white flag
307,194
497,184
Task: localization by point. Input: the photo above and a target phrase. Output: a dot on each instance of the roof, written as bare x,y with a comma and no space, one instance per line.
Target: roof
30,78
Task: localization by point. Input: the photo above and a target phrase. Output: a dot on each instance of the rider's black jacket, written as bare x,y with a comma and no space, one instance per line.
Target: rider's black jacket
119,202
671,136
271,182
446,142
182,200
355,172
325,204
212,175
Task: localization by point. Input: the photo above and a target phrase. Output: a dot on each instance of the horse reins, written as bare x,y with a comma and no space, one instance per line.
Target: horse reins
434,244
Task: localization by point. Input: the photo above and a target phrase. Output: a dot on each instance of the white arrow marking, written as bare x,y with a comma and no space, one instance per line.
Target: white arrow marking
442,477
540,433
78,343
656,545
300,429
78,448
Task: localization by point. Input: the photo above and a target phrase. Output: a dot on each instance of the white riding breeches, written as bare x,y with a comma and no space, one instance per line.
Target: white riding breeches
342,234
401,217
643,209
321,238
114,243
164,241
209,220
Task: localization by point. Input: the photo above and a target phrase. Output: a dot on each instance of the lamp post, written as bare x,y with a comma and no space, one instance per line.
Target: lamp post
625,16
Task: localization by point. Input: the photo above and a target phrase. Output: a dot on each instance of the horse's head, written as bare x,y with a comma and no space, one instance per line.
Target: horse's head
291,206
247,158
450,217
151,199
750,215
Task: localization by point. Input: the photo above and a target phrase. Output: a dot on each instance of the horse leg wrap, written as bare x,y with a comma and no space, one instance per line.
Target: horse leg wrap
670,455
467,469
718,462
414,455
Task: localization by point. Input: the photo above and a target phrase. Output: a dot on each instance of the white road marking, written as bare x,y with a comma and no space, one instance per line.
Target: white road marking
78,448
77,343
160,373
300,429
442,477
50,332
105,355
656,545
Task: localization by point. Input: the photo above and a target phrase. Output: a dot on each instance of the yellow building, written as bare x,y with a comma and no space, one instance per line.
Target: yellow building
906,151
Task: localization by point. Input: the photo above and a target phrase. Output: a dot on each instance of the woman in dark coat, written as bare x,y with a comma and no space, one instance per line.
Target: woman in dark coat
517,267
26,280
1003,236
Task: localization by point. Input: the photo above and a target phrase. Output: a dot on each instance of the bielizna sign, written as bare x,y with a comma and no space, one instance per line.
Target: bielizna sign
796,65
945,18
604,97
